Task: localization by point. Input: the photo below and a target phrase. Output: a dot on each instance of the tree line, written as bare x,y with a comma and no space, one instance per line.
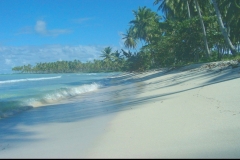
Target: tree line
189,31
112,61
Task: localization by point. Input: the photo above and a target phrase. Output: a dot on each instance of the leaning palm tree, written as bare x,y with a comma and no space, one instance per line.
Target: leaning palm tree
224,33
237,5
231,17
203,29
188,8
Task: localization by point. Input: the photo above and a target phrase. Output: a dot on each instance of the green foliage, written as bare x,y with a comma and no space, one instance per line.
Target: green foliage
230,57
175,41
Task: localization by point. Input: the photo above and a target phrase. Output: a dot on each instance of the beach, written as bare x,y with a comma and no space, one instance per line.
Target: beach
186,112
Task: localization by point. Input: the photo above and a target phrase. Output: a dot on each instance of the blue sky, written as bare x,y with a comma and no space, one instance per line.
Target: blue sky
34,31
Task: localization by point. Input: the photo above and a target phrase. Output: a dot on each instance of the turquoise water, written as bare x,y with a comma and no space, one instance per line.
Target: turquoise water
20,92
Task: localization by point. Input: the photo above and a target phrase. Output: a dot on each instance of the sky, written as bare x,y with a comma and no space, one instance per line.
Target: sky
34,31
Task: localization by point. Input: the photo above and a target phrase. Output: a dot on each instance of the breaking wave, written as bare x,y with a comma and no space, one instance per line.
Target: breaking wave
8,108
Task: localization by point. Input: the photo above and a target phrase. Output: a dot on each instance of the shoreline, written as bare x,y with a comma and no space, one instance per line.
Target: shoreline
188,112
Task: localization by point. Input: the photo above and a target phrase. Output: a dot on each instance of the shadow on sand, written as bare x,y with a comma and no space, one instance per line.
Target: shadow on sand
118,97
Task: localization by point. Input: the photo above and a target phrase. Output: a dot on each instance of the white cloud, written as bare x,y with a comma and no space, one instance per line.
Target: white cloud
41,28
8,61
17,56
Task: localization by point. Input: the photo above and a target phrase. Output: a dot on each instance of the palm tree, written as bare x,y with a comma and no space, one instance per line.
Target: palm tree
175,8
178,9
107,55
203,29
189,13
130,40
117,60
224,33
238,6
230,14
166,7
144,23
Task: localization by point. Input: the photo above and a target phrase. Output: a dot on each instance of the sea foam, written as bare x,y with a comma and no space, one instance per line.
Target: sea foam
8,108
61,94
28,79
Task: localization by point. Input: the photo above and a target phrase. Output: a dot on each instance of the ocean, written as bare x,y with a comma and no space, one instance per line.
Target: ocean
23,92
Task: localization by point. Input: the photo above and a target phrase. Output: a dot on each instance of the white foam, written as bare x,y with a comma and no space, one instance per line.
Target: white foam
28,79
92,74
62,94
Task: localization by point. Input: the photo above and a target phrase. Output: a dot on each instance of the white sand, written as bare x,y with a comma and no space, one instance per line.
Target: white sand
191,112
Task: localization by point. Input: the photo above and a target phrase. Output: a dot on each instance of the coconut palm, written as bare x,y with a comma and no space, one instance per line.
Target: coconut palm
107,55
130,39
176,8
144,23
237,5
166,7
179,8
203,29
222,28
230,14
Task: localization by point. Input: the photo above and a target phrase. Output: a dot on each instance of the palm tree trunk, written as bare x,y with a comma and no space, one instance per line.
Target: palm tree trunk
189,15
237,4
224,33
203,28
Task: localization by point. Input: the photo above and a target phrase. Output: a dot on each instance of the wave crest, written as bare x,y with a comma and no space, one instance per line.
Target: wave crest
28,79
62,94
12,107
